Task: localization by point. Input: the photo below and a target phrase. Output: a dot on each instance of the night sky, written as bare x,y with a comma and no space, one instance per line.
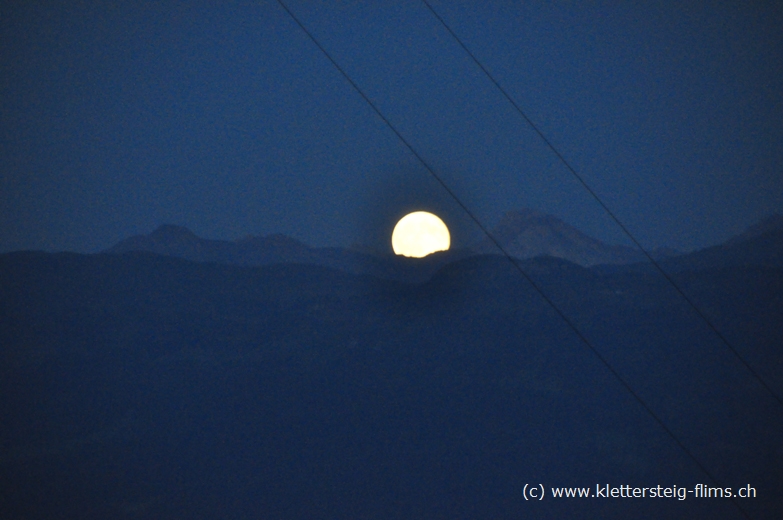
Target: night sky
225,118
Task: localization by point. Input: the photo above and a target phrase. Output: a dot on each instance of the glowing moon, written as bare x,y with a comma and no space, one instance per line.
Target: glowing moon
420,233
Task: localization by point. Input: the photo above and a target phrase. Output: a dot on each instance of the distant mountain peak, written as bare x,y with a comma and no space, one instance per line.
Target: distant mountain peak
167,239
531,221
528,233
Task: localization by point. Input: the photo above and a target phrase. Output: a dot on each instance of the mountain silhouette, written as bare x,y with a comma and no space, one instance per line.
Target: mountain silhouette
180,242
761,245
524,234
528,233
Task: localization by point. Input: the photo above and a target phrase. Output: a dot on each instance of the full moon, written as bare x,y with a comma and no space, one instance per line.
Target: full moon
420,233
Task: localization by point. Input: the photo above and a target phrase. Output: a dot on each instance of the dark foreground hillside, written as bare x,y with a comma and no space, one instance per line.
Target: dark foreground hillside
146,387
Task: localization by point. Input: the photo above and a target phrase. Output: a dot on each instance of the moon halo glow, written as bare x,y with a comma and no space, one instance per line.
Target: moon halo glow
419,234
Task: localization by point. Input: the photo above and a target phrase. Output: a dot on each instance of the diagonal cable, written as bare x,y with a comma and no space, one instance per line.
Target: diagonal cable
607,210
527,277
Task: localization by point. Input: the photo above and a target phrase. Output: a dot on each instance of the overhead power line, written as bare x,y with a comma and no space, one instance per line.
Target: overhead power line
609,212
527,277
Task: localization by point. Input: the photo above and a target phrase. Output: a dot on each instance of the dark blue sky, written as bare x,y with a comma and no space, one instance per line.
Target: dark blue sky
118,117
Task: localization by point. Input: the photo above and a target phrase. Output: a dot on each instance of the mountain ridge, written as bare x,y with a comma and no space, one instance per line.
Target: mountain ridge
528,233
524,234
